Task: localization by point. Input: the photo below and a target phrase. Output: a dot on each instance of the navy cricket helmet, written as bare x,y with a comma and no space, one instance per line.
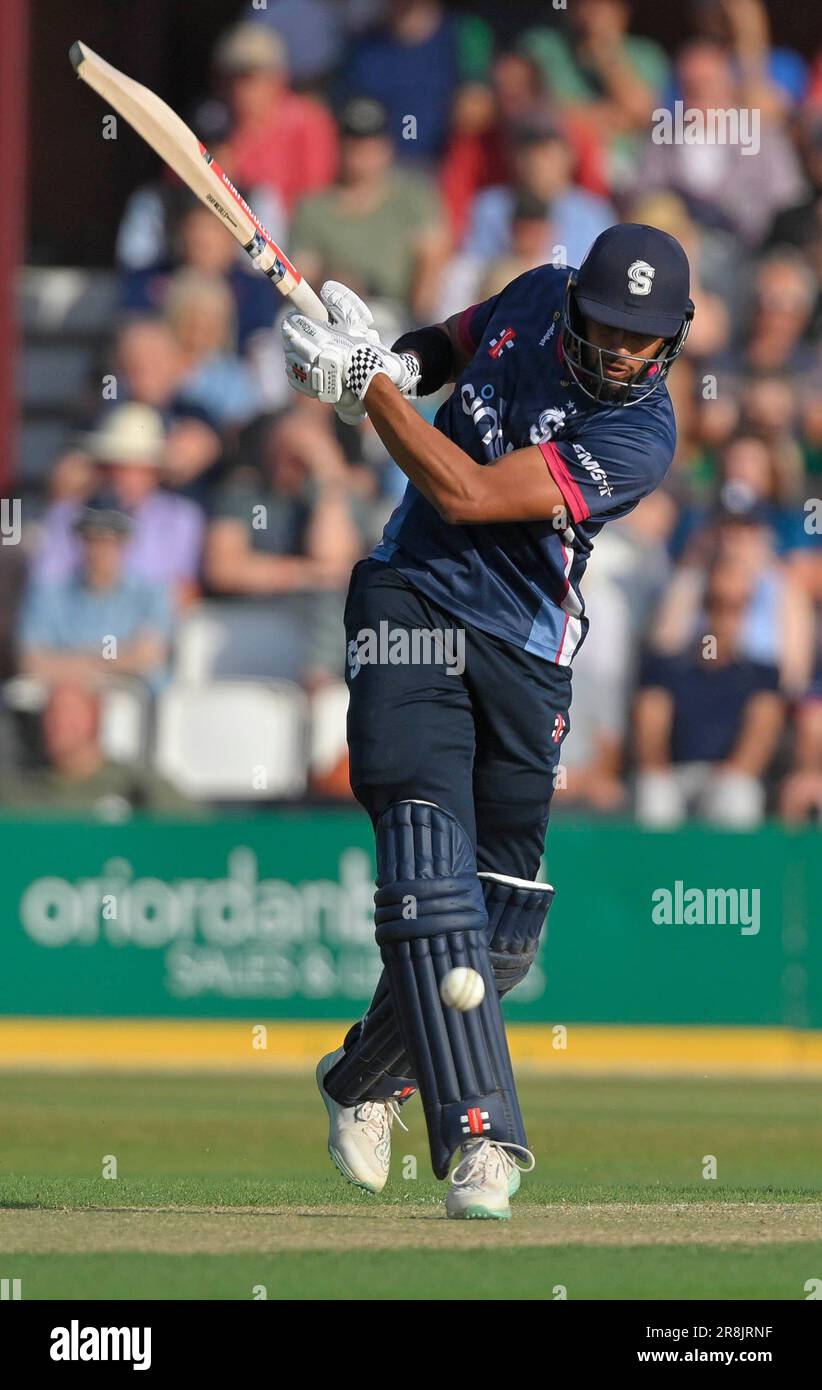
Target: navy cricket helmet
637,278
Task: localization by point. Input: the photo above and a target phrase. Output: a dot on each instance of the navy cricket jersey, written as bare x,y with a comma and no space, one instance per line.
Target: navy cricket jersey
520,580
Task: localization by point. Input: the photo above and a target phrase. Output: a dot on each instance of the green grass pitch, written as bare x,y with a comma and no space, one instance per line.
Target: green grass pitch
224,1190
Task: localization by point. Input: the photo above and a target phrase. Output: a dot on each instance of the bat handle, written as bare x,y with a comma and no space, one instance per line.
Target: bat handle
308,302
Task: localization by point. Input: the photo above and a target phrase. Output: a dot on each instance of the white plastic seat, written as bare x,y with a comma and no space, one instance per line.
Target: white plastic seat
233,740
237,640
124,719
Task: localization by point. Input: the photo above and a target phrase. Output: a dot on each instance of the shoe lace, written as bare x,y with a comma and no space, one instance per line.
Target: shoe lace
394,1110
376,1114
472,1165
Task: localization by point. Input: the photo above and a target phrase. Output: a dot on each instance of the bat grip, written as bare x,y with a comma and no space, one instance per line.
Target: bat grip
308,302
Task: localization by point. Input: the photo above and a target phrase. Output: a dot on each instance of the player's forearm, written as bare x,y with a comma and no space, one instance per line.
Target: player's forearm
443,473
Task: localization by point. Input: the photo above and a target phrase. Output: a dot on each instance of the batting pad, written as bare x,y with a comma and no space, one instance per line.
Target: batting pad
375,1065
430,917
517,912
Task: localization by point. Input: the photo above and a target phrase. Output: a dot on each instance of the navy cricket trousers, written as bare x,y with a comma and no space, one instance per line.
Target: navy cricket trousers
483,743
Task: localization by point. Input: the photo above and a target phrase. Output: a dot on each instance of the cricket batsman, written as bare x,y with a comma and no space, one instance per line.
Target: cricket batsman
559,421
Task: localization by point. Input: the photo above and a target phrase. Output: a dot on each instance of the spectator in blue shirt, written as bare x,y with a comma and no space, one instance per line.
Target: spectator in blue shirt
100,622
542,166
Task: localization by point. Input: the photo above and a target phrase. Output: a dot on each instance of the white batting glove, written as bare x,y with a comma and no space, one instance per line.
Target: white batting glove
350,313
367,360
316,356
347,311
323,361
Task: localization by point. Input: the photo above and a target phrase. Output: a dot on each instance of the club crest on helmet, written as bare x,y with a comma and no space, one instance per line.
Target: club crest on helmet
640,275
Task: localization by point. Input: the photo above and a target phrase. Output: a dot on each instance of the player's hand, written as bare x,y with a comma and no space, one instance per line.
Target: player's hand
323,361
316,356
350,313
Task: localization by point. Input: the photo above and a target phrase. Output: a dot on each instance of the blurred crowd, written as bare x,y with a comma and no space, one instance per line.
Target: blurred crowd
407,151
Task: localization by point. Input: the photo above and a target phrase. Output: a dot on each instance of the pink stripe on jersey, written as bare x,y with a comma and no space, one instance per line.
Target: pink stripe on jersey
558,655
571,494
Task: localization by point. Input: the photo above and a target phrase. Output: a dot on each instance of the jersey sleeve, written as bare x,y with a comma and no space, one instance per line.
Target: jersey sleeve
606,470
473,322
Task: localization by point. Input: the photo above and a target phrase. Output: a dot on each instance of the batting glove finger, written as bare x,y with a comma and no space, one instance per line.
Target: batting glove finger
346,310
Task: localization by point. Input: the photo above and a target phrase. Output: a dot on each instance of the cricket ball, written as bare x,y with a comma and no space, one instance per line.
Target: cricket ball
462,988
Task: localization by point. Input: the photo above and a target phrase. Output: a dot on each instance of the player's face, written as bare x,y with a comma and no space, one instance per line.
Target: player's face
628,352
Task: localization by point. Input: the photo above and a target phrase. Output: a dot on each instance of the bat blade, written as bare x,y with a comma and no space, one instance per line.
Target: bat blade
178,146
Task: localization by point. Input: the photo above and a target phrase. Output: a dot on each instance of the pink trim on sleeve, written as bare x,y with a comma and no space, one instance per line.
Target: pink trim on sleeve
571,494
463,330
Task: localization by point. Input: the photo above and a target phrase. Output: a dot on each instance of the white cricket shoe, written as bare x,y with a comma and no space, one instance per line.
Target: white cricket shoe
485,1179
359,1136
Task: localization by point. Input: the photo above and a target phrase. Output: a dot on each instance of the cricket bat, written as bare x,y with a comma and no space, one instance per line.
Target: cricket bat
172,140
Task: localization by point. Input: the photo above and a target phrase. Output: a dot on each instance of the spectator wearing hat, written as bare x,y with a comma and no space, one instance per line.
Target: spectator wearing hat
378,229
151,369
707,722
166,536
279,139
100,621
275,144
